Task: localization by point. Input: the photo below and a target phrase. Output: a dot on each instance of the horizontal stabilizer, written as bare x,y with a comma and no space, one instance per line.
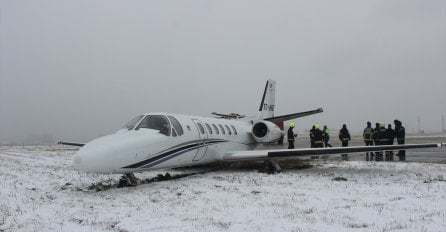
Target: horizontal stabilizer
71,144
290,153
287,117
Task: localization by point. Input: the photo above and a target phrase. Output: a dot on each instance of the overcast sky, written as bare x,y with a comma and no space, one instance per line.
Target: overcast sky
80,69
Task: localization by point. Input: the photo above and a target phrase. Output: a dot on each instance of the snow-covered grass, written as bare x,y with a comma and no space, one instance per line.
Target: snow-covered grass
40,191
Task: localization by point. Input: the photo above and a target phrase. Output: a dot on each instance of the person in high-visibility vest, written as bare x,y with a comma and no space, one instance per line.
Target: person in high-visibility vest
291,136
344,136
326,136
367,135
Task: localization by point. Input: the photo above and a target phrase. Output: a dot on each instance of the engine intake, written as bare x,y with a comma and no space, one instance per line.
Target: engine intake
266,132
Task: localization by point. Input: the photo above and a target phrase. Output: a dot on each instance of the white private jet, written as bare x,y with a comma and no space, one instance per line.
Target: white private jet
163,140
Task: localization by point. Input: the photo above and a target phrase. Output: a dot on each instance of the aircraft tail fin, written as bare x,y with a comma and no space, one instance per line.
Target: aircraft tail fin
266,109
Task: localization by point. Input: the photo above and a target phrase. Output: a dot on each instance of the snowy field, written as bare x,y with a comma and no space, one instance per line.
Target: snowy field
40,191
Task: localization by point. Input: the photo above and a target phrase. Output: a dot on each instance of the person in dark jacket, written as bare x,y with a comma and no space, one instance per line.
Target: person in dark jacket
400,134
390,136
291,136
344,136
380,138
318,138
326,136
312,135
367,135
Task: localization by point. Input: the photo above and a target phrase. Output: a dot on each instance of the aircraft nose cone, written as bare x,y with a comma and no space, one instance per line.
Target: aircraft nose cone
90,160
81,162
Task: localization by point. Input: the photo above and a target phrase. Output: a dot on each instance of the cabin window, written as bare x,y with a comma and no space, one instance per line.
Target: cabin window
222,129
209,128
130,125
233,128
216,129
155,122
229,130
176,125
201,128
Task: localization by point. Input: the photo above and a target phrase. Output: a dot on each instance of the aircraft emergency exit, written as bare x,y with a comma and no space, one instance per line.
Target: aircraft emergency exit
163,140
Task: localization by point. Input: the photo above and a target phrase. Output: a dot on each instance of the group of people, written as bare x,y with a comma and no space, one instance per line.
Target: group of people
380,135
319,138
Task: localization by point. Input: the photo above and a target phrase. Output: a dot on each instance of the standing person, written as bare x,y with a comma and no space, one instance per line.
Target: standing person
400,134
312,135
367,135
291,136
375,132
379,137
318,138
344,136
326,136
390,136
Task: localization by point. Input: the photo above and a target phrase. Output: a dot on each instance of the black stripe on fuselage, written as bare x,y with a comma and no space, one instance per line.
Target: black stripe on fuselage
178,148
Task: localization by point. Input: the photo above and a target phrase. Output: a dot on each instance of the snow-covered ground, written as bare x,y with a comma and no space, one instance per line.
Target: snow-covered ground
40,191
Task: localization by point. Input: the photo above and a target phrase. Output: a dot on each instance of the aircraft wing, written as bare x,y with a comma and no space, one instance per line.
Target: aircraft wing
296,153
293,116
71,144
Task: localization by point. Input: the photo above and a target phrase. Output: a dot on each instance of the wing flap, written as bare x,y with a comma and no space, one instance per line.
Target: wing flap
290,153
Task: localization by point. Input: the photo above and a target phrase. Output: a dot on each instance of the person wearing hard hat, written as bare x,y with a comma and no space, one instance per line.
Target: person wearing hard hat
291,136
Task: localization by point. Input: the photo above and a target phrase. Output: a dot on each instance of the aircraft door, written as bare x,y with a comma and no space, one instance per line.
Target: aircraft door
202,136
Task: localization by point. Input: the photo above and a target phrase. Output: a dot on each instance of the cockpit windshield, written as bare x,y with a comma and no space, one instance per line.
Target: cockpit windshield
155,122
130,125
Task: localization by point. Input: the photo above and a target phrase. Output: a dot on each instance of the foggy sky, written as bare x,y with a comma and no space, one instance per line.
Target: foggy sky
80,69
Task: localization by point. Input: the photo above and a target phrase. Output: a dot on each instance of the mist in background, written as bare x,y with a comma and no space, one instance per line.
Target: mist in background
76,70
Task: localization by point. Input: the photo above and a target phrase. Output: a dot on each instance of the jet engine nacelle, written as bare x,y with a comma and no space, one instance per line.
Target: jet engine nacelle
266,132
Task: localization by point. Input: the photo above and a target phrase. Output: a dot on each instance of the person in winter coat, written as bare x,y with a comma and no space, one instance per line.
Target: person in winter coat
291,136
326,136
367,135
344,136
